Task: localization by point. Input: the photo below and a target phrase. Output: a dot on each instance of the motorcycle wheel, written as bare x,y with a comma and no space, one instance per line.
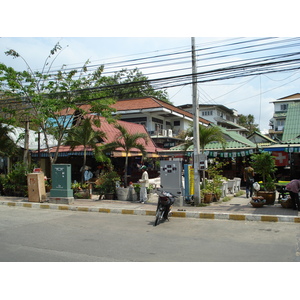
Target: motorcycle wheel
159,215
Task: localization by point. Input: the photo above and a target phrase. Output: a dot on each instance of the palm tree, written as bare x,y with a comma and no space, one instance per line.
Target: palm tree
86,136
7,146
127,141
207,135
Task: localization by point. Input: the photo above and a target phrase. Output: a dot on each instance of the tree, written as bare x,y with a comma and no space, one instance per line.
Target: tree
248,122
126,141
84,135
51,99
7,146
132,84
207,135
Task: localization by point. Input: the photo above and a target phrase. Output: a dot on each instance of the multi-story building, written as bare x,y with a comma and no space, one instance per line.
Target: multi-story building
219,115
285,125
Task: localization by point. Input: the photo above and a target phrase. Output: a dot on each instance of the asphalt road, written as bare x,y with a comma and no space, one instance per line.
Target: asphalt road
36,235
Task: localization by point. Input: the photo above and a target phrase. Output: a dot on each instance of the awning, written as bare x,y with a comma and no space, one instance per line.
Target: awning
131,154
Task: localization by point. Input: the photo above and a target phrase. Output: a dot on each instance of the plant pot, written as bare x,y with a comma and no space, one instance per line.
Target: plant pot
268,196
207,198
257,204
109,196
84,194
286,203
123,194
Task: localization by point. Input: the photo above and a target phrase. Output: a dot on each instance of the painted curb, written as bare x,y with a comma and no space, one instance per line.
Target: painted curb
175,214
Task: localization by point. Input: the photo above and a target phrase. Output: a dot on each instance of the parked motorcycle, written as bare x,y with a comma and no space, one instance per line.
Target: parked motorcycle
163,210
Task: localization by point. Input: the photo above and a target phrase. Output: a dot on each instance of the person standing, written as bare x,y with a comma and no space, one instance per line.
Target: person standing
249,179
144,182
293,187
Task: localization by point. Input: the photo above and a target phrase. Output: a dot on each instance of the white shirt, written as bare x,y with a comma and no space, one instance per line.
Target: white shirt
145,179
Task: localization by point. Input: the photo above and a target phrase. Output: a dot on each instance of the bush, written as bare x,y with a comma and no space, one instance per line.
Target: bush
15,182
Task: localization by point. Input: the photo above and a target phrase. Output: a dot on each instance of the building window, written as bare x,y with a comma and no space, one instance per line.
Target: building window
176,123
284,106
207,113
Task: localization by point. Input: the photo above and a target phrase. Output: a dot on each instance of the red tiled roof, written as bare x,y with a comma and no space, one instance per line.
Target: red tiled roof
150,102
139,103
111,133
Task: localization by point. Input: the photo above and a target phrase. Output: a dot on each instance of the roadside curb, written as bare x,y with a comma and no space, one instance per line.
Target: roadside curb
175,214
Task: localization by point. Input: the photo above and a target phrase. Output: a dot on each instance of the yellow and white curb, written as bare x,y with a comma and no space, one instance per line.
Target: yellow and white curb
176,214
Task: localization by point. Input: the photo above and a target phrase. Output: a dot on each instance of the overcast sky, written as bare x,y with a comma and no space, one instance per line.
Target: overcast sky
102,44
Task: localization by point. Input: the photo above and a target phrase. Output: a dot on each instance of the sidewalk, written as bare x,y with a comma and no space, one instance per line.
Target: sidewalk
238,208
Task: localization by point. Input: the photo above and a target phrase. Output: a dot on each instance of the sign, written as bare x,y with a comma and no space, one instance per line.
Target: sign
281,158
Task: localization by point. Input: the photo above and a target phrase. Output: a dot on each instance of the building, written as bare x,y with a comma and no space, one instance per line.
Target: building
219,115
285,125
163,121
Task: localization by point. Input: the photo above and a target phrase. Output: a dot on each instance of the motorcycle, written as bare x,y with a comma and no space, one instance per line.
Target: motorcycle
163,210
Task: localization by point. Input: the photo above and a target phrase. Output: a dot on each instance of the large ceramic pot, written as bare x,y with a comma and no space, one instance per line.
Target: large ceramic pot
268,196
109,196
207,197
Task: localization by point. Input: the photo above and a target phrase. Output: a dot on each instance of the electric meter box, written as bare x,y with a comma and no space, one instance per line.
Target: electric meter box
171,179
61,181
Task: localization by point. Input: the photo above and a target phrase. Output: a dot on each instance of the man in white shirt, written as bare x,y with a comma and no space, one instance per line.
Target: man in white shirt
144,182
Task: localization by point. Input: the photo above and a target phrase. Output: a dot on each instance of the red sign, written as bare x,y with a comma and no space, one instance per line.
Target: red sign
281,158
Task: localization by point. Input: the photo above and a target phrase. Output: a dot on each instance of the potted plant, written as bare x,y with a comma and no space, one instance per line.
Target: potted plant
81,190
264,165
212,188
107,184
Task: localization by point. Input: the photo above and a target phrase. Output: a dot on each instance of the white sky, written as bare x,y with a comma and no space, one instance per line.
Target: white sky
112,31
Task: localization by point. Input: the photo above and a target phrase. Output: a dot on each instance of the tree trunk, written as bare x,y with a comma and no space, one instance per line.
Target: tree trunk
125,171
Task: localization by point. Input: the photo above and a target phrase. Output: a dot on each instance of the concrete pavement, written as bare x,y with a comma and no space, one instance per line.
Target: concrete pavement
238,208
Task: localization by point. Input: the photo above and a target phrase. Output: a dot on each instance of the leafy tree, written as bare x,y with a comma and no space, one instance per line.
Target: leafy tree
132,84
126,141
84,135
49,98
248,122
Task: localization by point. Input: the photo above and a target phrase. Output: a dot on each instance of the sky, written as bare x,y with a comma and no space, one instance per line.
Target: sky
121,38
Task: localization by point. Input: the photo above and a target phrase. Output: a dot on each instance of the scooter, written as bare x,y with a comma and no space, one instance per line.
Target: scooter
163,210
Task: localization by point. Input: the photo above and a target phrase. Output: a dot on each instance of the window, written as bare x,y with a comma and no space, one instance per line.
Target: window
283,106
176,123
207,113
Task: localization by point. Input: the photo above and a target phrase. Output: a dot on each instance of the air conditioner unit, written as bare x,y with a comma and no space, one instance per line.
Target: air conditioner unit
164,132
170,132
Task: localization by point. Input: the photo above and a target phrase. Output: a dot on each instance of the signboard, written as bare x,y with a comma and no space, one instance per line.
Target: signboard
281,158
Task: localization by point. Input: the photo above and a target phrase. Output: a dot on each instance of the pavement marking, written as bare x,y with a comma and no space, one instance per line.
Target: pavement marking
176,214
104,210
237,217
207,215
150,212
44,206
269,218
82,208
127,211
63,207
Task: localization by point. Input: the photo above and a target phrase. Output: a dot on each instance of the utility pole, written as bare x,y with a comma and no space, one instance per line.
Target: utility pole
26,144
197,197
